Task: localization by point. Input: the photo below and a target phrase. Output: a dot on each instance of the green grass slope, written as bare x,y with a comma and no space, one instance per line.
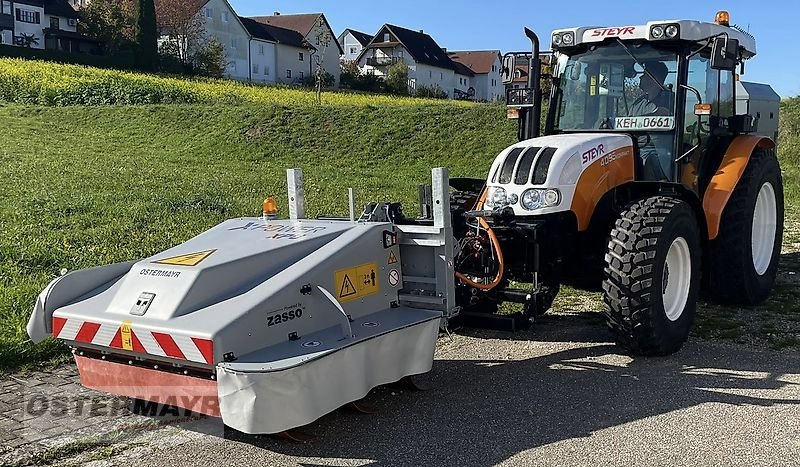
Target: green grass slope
84,186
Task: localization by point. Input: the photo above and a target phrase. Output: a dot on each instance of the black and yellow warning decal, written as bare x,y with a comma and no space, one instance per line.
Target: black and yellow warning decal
356,282
191,259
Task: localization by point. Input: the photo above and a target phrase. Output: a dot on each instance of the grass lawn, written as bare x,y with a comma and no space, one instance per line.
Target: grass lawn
84,186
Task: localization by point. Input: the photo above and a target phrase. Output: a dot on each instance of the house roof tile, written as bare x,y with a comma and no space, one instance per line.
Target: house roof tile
479,61
421,46
282,27
362,37
258,30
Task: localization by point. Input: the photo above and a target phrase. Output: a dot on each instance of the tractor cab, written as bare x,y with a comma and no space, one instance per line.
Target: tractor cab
669,85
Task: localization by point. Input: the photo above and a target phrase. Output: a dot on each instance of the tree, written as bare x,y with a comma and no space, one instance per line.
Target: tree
180,22
210,60
27,40
397,79
145,33
324,40
109,21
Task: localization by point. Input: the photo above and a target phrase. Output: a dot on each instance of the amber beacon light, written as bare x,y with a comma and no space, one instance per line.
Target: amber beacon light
723,18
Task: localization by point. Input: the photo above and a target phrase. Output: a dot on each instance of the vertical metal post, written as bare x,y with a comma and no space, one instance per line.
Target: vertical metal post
534,114
297,199
445,269
352,204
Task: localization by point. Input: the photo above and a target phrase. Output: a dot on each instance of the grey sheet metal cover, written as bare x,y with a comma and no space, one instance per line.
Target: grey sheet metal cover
273,397
220,263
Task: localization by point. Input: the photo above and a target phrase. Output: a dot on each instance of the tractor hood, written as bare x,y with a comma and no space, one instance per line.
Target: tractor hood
556,173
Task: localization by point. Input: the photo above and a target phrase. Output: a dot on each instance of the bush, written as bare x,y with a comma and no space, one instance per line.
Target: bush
123,59
433,91
328,80
43,83
397,79
210,59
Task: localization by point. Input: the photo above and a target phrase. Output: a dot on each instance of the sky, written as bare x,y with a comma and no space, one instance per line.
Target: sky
498,24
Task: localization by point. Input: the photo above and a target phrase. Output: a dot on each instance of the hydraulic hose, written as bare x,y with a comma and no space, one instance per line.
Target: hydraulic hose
495,245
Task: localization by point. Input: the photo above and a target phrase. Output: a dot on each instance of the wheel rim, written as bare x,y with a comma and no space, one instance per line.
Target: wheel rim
676,279
764,225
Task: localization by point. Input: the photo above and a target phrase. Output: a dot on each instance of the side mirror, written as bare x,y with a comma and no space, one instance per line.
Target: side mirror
508,69
724,54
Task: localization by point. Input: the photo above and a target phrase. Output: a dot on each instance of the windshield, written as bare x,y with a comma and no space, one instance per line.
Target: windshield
604,88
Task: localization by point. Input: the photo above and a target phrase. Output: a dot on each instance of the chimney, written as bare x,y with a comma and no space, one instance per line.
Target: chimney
277,13
421,31
444,49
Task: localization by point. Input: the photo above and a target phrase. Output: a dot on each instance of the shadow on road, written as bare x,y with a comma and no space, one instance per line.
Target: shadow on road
486,410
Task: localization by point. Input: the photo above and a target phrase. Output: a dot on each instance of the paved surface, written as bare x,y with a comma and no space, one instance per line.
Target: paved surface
559,395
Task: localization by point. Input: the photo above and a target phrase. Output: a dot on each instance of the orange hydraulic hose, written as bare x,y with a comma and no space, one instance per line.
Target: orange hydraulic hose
495,245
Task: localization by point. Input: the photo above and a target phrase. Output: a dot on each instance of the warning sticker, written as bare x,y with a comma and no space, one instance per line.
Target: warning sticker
392,258
191,259
356,282
394,277
125,334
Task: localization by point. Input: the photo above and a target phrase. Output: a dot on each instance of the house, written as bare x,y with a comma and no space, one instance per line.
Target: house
352,43
221,22
263,51
428,64
302,40
485,66
43,24
463,86
249,49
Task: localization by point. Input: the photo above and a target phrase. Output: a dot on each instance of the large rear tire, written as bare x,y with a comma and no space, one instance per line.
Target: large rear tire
652,276
743,259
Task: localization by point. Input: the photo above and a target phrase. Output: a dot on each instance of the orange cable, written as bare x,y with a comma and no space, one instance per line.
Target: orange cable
495,244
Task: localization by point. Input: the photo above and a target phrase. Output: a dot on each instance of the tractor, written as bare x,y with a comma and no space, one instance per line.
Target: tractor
645,184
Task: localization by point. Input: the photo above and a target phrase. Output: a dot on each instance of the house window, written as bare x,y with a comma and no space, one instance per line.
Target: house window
301,56
27,16
494,67
5,8
261,49
255,68
54,23
289,74
233,66
224,16
209,13
441,76
266,70
430,74
302,75
386,37
234,43
353,50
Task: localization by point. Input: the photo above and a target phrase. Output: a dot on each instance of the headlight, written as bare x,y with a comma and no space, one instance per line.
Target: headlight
499,197
538,198
657,32
672,31
568,38
556,39
532,199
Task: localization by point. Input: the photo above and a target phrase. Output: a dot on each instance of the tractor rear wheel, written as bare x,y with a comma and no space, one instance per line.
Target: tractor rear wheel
743,259
652,276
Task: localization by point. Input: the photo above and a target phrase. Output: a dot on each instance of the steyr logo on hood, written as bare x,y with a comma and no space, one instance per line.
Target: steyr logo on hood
592,154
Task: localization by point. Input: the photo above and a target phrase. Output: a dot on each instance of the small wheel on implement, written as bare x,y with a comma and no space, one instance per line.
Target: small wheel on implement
653,276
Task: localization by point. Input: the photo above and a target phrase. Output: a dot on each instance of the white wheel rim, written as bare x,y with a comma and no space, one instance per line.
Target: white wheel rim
676,279
764,225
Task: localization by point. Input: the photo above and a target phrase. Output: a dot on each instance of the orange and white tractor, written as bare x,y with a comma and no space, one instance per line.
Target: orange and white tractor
646,183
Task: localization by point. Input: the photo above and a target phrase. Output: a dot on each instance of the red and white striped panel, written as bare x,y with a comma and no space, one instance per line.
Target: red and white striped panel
138,339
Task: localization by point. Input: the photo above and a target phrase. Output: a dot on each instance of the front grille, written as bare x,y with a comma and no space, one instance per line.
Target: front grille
530,166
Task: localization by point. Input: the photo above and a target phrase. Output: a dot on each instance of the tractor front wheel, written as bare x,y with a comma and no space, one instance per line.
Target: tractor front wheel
652,276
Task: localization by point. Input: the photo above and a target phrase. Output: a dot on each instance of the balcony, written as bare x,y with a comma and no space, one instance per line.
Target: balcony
383,61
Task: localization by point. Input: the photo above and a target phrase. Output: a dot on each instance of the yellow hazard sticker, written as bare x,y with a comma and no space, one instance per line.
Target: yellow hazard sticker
191,259
125,334
392,258
356,282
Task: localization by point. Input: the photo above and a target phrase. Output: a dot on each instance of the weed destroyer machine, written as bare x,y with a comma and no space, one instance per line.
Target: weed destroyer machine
645,182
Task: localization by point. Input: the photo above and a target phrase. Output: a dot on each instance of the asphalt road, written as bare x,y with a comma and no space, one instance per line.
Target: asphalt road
558,395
